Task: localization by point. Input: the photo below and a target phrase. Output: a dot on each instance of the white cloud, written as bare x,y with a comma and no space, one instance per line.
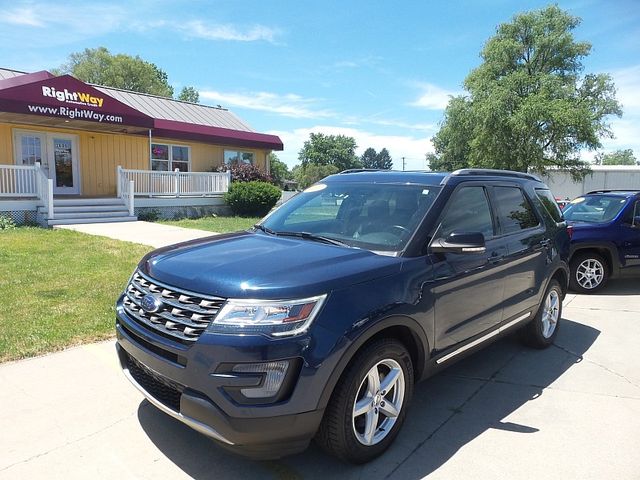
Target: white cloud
22,16
433,97
200,29
288,105
410,147
72,19
79,19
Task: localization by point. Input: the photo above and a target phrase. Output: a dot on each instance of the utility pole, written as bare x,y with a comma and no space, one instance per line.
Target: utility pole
403,164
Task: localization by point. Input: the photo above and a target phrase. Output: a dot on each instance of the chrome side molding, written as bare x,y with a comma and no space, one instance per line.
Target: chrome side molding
484,338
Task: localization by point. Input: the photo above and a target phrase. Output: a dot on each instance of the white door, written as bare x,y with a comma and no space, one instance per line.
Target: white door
63,163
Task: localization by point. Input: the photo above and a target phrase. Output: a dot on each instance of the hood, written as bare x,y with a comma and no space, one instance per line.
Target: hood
257,265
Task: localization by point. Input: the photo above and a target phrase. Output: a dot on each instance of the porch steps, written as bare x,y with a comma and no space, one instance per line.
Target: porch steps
89,210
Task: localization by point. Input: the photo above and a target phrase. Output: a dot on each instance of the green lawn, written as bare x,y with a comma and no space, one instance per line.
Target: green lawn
58,288
215,224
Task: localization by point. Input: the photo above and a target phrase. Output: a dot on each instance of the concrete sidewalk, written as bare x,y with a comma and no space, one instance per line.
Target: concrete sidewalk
148,233
569,412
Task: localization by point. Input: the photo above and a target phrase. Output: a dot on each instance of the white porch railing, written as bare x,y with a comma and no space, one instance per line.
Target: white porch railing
174,184
18,180
27,181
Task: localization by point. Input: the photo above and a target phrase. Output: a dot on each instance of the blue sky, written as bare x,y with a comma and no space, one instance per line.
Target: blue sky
378,71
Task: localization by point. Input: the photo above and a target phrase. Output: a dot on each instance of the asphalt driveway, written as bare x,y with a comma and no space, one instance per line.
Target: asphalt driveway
569,412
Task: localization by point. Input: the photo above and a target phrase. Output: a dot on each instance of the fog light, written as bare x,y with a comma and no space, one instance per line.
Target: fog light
274,376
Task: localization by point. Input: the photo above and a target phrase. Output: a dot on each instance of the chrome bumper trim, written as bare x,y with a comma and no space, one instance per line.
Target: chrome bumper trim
196,425
478,341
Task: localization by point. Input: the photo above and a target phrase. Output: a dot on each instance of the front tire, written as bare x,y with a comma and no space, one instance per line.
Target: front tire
369,404
589,273
542,330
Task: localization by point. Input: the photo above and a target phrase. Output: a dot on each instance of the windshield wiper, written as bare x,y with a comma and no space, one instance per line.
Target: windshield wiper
311,236
264,229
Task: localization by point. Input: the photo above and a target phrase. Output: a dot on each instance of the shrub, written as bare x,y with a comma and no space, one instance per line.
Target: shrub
7,223
245,172
252,198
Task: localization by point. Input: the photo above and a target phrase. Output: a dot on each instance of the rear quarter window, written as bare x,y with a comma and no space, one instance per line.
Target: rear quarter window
550,204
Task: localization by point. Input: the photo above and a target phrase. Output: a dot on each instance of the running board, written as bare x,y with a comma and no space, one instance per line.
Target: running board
484,338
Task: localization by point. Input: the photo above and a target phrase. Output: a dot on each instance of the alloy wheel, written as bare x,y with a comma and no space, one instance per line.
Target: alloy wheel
550,313
378,402
590,273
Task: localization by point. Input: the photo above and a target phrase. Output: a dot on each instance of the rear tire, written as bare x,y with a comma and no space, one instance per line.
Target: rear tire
365,413
542,330
589,272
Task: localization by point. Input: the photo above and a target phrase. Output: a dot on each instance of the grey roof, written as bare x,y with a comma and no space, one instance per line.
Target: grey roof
166,108
6,73
169,109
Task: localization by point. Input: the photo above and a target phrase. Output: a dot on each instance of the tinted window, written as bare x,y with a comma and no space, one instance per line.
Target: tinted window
594,209
549,203
514,210
468,211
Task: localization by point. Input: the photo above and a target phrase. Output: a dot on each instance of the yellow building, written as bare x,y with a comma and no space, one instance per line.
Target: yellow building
72,152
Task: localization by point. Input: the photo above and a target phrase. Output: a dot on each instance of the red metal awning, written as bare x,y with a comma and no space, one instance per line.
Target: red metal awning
208,134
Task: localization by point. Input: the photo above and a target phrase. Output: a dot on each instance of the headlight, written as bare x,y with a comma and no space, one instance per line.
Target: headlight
277,318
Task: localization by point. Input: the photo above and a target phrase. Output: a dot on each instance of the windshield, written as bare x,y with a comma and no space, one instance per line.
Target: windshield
594,209
379,217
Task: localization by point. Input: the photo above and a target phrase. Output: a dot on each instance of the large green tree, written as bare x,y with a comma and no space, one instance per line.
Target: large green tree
368,158
528,104
101,67
619,157
336,150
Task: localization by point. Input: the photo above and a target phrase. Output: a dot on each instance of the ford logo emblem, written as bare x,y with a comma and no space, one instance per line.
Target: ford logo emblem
151,303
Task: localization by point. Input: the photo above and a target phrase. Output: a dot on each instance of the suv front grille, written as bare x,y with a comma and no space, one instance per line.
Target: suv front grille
181,316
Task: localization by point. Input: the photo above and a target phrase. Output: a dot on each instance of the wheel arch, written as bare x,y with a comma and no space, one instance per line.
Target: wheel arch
404,329
605,250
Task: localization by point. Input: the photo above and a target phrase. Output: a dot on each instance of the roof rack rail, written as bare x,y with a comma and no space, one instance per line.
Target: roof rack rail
356,170
614,190
495,172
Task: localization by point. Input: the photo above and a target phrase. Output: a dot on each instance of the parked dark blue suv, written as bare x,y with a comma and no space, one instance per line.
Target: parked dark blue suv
606,238
317,322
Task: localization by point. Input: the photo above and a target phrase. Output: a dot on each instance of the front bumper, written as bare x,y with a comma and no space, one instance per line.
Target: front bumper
190,393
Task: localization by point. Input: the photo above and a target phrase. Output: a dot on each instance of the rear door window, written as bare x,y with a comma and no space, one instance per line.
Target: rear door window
515,213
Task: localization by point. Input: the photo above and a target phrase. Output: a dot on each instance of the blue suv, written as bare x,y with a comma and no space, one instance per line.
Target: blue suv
317,322
606,238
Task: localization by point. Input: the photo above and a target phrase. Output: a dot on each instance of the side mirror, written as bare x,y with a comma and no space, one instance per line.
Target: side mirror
460,242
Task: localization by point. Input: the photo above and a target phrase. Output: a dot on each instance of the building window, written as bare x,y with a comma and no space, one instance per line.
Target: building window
169,157
234,157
